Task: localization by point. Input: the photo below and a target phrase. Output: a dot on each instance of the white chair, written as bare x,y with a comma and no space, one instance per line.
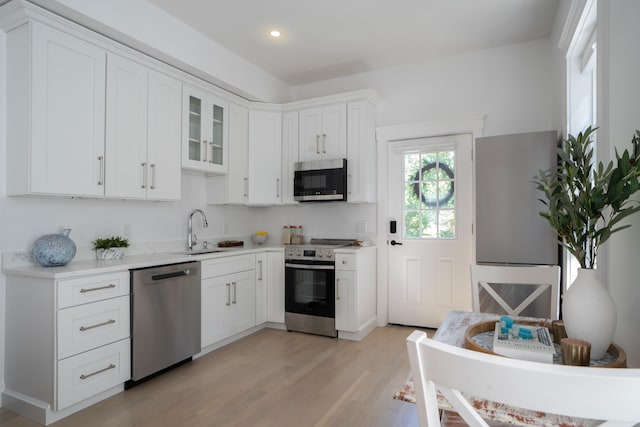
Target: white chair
608,394
486,281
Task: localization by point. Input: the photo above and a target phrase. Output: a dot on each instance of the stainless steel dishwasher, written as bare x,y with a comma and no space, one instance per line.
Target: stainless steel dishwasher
165,318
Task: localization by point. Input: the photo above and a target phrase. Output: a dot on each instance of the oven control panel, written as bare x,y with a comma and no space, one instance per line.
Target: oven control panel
308,253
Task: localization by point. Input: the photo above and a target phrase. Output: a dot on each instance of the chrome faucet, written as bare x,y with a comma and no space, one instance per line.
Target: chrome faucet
191,238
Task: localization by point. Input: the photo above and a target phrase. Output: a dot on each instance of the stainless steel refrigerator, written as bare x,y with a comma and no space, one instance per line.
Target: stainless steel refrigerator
509,229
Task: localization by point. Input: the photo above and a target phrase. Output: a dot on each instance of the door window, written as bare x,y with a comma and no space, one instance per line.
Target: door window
429,195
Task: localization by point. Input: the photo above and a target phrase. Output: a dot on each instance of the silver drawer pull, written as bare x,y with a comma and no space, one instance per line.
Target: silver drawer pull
84,377
108,322
109,286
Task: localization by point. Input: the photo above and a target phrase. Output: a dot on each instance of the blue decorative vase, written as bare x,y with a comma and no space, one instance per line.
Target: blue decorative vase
54,250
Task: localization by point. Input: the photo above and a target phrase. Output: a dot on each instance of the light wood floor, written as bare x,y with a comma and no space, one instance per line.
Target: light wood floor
271,378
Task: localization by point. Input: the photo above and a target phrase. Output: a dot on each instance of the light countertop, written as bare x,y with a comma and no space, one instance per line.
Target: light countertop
14,263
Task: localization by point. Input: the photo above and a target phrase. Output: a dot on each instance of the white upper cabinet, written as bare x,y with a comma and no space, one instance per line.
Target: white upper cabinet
55,114
289,154
265,157
323,132
205,131
233,188
143,132
238,174
164,130
361,152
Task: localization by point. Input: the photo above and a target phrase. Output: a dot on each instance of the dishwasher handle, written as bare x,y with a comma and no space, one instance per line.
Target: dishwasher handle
171,275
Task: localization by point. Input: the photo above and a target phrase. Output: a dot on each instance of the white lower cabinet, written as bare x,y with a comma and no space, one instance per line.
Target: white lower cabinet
270,287
261,288
89,373
355,289
228,297
67,343
275,287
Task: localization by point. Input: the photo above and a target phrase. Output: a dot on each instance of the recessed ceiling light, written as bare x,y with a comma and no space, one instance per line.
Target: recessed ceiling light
275,33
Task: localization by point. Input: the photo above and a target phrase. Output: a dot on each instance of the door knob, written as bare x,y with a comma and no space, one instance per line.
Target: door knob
393,243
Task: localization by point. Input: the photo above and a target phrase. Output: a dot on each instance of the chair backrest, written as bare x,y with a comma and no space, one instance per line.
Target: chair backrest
515,288
609,394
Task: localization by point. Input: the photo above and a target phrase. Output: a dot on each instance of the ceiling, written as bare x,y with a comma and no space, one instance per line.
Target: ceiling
334,38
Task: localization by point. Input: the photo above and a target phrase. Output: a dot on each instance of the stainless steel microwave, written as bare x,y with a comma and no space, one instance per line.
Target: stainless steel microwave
320,181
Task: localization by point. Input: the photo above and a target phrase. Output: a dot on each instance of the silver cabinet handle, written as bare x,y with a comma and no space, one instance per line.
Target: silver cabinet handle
235,292
101,170
317,144
84,377
338,289
144,174
260,270
324,143
206,151
108,322
277,187
211,144
228,293
246,186
109,286
349,183
153,176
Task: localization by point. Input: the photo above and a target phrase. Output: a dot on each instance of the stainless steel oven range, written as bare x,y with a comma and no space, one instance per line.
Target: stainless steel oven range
310,286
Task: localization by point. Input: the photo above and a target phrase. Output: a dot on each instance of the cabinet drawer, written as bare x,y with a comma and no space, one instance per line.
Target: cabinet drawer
90,373
345,262
92,325
92,288
228,265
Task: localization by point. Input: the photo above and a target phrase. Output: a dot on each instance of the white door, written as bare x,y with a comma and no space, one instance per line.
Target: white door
429,197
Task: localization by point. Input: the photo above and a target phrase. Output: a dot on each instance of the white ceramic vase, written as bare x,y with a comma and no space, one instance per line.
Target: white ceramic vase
589,312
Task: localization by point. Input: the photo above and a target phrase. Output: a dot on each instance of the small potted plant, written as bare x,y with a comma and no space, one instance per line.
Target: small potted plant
111,247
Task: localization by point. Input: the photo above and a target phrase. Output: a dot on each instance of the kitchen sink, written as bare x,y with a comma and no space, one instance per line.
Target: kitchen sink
199,251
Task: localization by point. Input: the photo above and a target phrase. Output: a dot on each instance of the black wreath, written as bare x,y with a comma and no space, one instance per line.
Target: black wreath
416,186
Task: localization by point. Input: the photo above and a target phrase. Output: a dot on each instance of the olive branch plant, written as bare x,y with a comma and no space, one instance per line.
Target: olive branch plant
584,203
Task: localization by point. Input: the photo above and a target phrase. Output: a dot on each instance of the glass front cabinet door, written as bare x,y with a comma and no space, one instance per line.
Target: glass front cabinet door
205,132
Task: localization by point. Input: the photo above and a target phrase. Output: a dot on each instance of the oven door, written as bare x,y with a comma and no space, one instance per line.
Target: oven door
310,288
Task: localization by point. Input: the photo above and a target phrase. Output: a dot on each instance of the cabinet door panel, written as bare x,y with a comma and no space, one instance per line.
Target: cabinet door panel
310,133
215,305
265,157
126,134
334,132
346,308
238,174
164,137
262,284
275,289
68,102
193,131
243,302
290,132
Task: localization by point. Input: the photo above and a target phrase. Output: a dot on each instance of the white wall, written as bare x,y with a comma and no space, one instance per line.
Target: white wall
619,117
511,85
321,220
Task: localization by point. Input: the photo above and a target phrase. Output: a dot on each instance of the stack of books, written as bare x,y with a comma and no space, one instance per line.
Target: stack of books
525,342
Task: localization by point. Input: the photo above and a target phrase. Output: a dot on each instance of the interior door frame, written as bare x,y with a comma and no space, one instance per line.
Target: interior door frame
385,135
